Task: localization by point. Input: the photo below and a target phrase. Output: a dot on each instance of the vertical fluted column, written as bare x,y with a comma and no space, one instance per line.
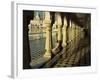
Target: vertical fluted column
64,42
48,44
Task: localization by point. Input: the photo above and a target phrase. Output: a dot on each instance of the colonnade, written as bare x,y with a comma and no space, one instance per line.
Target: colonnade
67,31
65,34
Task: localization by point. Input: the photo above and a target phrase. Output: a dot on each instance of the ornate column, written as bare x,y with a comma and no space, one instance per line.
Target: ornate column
73,32
71,37
48,43
69,31
59,24
65,38
64,41
59,33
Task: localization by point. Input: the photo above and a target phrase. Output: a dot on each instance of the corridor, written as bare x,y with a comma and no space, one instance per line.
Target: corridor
59,39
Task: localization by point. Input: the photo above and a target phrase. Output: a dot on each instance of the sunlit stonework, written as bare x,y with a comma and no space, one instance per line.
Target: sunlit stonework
59,39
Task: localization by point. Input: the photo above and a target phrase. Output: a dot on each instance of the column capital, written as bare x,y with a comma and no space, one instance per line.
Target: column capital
65,21
59,20
47,19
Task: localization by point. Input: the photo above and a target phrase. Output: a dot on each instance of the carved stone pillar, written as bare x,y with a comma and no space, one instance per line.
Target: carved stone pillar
59,33
70,31
48,44
73,32
38,62
59,24
65,38
64,41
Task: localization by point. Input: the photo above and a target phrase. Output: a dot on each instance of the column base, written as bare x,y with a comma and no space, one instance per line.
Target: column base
57,49
64,52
